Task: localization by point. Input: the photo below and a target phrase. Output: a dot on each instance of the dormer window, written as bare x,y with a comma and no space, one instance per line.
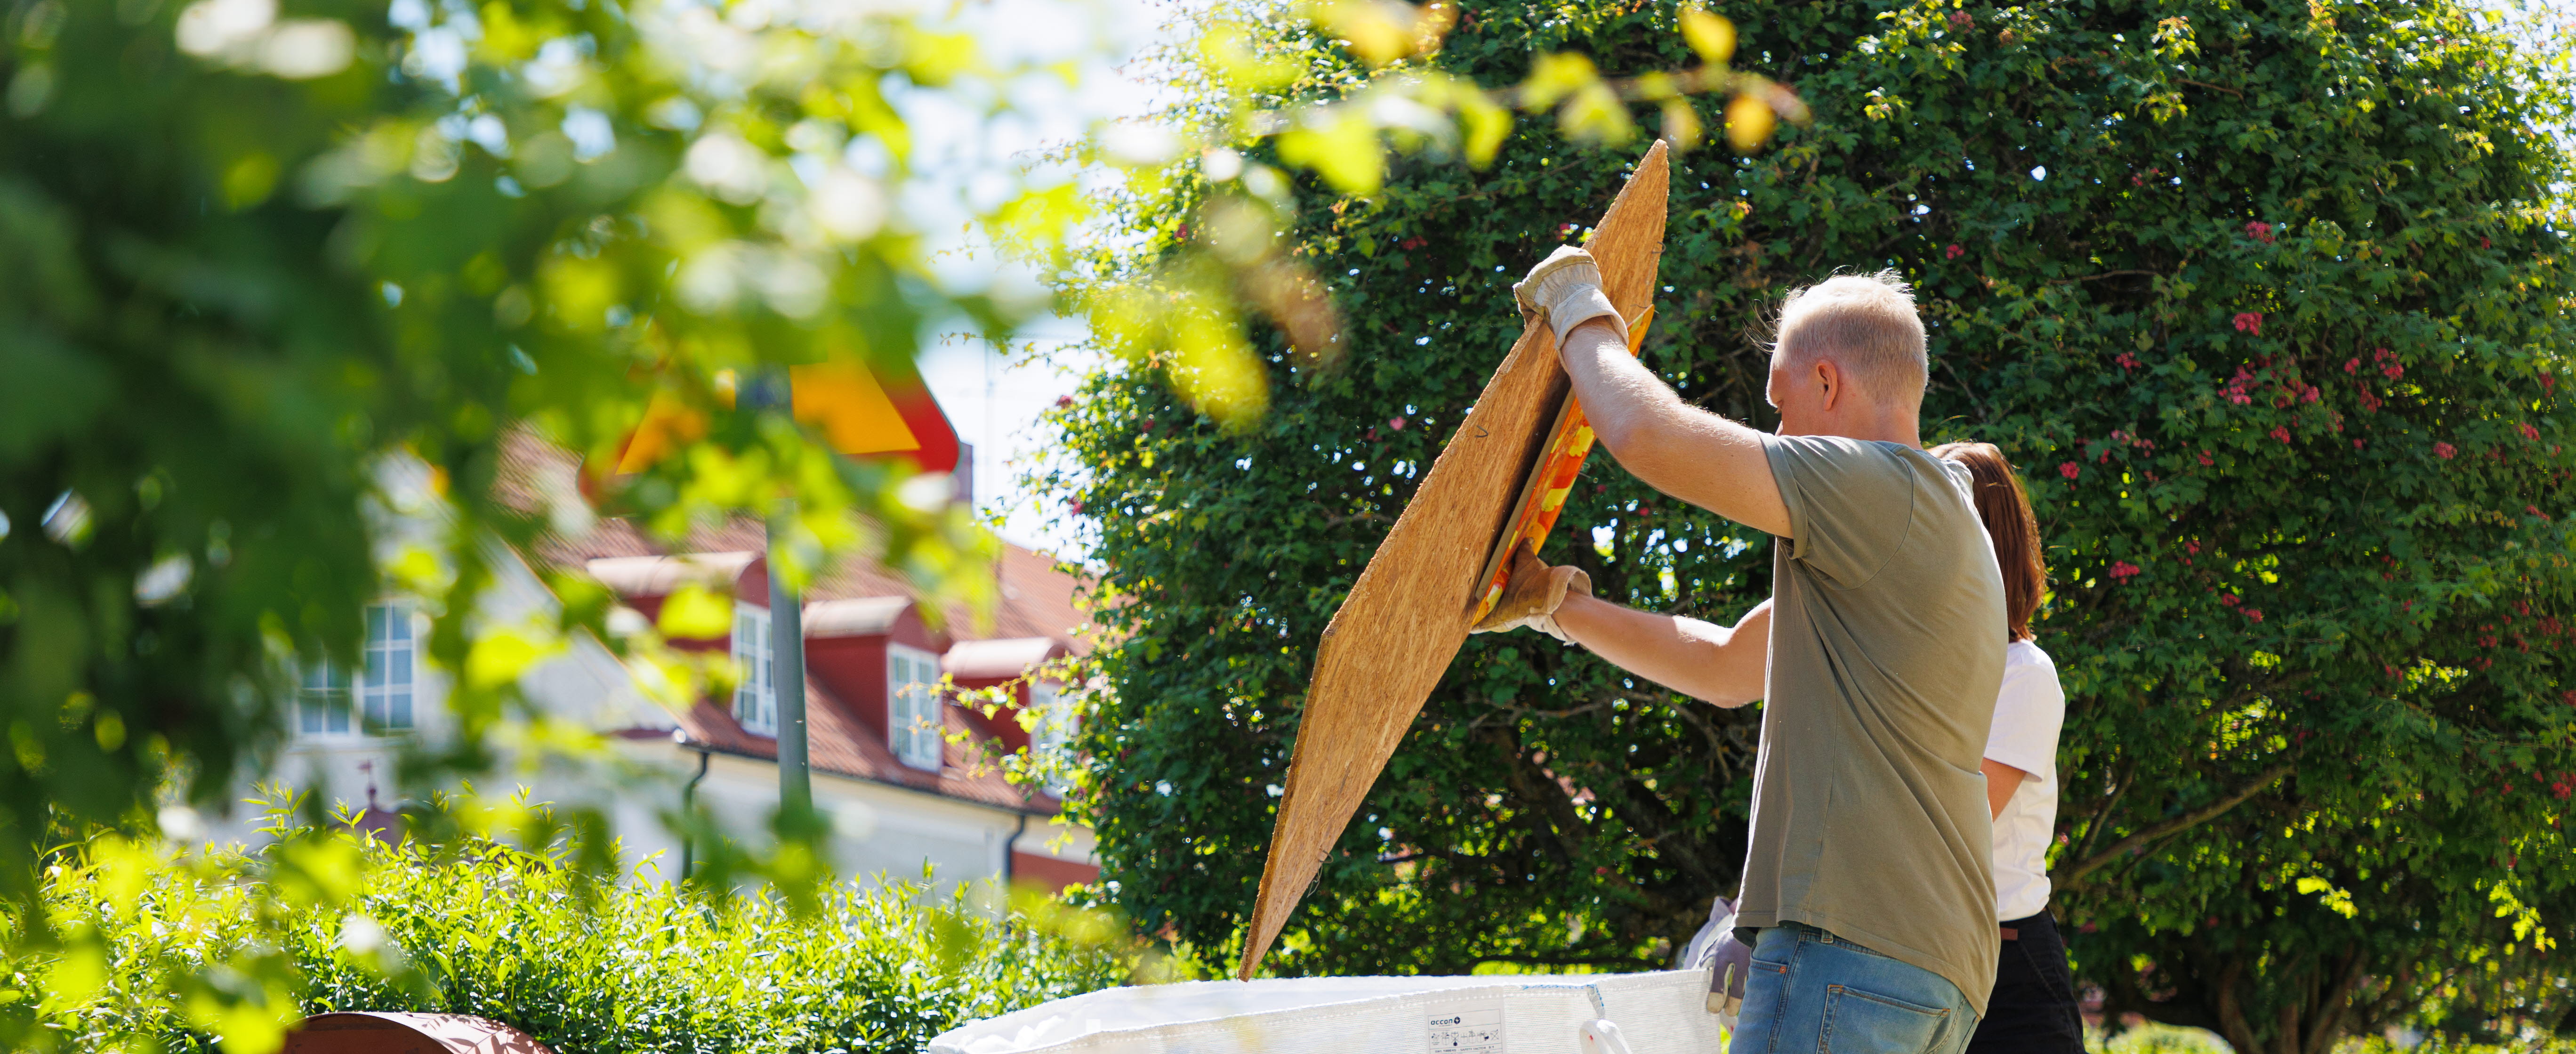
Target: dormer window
329,702
1059,720
912,705
755,697
384,693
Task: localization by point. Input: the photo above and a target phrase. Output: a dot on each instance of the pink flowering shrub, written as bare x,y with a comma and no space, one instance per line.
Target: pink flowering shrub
2157,368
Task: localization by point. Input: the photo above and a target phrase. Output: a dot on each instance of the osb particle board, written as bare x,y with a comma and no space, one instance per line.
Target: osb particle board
1410,610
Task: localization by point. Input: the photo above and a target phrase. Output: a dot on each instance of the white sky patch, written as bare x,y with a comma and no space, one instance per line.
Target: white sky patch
965,159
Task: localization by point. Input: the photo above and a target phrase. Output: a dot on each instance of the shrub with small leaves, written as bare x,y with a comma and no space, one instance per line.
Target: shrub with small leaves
340,921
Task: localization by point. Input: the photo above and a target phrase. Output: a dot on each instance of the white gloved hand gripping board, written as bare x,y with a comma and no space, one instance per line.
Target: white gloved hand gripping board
1645,1013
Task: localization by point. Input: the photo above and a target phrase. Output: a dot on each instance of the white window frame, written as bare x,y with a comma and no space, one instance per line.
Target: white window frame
381,698
388,691
1059,720
322,701
914,709
755,696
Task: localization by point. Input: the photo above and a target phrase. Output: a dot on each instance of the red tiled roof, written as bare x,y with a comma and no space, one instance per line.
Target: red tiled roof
1036,599
837,742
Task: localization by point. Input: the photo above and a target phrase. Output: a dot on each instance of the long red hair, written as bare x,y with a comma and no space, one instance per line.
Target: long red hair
2006,509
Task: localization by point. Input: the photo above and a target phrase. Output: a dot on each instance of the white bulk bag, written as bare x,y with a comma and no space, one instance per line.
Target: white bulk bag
1642,1013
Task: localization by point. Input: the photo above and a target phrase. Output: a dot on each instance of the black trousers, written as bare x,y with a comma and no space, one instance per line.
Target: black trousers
2032,1010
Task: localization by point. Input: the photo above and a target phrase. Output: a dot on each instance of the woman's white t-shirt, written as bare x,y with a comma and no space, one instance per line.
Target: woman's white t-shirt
2027,716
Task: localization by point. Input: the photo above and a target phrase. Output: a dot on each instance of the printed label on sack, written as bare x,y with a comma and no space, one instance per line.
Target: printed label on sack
1467,1028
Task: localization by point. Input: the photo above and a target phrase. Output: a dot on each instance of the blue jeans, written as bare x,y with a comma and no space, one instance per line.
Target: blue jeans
1813,991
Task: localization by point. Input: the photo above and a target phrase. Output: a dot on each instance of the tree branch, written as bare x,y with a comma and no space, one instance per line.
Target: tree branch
2105,274
2334,1013
2074,878
2126,778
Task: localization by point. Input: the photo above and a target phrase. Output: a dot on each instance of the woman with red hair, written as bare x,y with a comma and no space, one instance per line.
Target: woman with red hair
2033,1005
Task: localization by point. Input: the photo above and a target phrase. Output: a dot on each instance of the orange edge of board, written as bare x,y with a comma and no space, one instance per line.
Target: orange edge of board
1543,494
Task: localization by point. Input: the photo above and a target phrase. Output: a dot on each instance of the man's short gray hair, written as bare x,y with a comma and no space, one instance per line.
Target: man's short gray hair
1866,324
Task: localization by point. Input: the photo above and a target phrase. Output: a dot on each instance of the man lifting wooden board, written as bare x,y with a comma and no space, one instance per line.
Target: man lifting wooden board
1869,875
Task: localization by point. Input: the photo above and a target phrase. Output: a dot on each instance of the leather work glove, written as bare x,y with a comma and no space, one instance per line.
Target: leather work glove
1565,290
1533,594
1729,962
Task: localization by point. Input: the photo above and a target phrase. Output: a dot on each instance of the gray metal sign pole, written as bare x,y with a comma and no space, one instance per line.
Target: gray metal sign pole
770,392
787,666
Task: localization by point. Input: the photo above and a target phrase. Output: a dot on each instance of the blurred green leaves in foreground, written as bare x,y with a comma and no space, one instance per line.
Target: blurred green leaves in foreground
328,919
280,280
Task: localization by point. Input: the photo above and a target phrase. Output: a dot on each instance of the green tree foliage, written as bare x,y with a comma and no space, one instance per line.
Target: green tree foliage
253,256
250,254
536,941
2268,301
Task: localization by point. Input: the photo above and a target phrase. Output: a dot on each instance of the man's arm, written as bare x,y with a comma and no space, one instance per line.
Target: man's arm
2001,781
1677,448
1722,665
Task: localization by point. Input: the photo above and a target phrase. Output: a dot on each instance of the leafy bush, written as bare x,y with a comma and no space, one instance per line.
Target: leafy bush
528,939
2270,302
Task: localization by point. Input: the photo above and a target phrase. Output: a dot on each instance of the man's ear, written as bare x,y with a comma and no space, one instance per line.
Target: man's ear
1829,384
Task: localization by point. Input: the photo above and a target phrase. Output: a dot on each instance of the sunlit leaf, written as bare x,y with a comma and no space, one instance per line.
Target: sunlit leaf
1711,36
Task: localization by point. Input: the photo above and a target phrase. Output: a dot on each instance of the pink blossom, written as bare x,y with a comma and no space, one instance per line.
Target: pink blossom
2123,570
1396,423
2249,322
2352,364
2548,383
2445,451
2310,395
1063,401
2528,432
1954,252
2261,231
2204,458
2235,391
2228,599
2282,434
2254,613
2192,547
2126,361
2070,470
1961,20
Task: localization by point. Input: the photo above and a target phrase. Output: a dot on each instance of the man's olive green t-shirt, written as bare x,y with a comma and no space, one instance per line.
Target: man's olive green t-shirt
1887,651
